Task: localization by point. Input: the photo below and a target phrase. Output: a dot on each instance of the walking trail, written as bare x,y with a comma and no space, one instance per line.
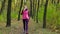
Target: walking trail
17,28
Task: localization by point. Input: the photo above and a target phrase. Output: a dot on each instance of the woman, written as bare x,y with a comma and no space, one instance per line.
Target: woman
25,17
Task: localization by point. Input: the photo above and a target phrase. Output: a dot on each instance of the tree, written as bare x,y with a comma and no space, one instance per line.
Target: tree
37,11
42,1
31,8
44,16
3,5
57,5
20,10
53,2
34,9
8,24
25,1
57,1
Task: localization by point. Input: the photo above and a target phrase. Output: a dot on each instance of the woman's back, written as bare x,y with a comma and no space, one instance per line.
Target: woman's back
25,14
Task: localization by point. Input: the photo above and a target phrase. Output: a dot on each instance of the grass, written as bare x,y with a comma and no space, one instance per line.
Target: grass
53,17
17,28
34,28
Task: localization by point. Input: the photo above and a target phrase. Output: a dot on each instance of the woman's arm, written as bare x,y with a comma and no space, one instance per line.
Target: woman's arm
22,12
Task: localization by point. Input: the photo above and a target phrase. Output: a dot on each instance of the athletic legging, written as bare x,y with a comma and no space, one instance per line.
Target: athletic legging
25,24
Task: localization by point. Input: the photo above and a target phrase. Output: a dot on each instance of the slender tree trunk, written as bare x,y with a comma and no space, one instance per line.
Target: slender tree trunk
42,1
45,12
34,12
37,12
58,2
25,1
31,8
57,5
20,10
3,5
53,2
9,14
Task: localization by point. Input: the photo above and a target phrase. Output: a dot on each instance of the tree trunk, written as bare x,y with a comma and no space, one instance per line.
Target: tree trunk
20,10
45,12
37,11
3,5
25,1
34,10
58,2
31,8
42,1
53,2
9,14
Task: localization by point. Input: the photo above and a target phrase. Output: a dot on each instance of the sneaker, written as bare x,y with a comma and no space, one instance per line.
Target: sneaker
26,33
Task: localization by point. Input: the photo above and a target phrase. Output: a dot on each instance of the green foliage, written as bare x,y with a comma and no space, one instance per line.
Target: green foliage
53,15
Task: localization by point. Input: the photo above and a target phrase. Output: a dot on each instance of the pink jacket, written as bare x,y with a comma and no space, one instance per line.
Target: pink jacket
25,14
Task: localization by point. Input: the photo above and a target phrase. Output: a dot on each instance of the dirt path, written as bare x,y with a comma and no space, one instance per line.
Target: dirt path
17,28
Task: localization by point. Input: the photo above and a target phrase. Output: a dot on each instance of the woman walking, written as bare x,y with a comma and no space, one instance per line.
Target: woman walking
25,17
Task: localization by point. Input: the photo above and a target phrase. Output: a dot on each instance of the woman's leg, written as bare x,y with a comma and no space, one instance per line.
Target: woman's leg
24,24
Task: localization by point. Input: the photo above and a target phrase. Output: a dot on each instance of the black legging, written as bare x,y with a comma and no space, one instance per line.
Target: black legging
25,24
